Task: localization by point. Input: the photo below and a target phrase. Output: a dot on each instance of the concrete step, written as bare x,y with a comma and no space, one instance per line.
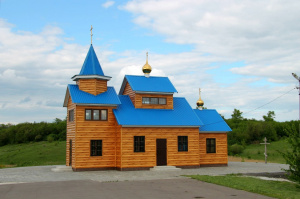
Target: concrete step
61,168
165,168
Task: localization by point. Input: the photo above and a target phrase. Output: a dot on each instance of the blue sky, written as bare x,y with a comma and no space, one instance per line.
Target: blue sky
241,54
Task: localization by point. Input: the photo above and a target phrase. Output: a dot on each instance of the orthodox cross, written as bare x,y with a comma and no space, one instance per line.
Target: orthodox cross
265,143
147,57
91,34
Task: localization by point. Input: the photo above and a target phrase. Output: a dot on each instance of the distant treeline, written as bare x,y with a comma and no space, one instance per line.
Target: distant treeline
32,132
251,131
244,131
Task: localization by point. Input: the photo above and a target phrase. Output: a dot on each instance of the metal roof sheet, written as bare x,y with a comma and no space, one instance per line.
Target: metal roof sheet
109,97
212,121
91,65
150,84
182,114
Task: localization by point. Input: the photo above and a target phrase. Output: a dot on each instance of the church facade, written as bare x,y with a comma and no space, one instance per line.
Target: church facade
142,126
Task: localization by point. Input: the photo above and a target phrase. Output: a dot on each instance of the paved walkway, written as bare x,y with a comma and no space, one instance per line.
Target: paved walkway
44,173
147,189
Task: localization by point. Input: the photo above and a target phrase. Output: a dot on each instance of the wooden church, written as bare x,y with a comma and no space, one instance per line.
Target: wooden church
141,127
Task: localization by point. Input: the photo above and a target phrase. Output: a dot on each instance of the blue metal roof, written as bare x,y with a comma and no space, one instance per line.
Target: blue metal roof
91,65
212,121
150,84
109,97
181,115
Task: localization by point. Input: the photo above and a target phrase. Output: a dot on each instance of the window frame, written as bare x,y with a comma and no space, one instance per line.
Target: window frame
152,98
92,114
139,144
183,143
71,115
211,147
94,150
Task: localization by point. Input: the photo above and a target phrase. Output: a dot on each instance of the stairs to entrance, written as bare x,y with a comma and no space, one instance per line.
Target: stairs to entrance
165,168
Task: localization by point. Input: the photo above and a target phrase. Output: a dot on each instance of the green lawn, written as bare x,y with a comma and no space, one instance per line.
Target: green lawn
285,190
256,151
33,154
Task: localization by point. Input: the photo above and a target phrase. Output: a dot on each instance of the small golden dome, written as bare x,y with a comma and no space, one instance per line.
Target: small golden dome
200,102
147,68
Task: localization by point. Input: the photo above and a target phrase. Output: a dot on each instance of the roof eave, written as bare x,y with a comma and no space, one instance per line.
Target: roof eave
87,104
154,92
77,77
213,131
123,86
160,126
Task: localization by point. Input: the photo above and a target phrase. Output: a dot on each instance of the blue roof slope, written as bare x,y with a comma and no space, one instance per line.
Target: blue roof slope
212,120
150,84
181,115
81,97
91,65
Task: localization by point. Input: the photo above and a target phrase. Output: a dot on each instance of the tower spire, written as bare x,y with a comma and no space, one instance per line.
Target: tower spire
91,34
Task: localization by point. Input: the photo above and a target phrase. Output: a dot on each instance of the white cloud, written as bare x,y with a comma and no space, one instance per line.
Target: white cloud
36,68
108,4
259,34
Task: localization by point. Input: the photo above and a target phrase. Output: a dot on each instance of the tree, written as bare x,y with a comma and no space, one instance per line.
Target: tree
293,157
237,115
269,117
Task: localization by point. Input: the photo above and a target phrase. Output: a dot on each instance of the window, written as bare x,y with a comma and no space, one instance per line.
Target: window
96,147
88,114
162,100
96,114
182,143
146,100
154,100
210,145
139,143
71,115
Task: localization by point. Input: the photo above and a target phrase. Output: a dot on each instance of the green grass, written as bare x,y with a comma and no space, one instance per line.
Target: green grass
33,154
275,189
256,151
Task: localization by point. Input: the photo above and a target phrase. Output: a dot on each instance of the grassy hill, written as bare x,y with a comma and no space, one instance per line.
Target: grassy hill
256,151
33,154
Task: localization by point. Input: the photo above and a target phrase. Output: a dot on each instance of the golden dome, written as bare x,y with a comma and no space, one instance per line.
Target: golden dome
147,68
200,102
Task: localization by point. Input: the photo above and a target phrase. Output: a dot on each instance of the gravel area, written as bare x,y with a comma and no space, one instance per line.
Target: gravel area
44,173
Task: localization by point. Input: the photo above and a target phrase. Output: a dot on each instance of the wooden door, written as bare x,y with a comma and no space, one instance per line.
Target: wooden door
161,152
70,154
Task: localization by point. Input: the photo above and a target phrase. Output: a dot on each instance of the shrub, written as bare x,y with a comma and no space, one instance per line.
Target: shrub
236,149
50,138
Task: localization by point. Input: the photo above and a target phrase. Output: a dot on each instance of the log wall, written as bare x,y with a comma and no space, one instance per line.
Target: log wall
138,102
71,128
92,86
130,92
220,157
131,159
95,130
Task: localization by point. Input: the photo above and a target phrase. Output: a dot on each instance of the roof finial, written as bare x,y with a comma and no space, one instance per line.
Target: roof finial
147,68
200,102
147,57
91,34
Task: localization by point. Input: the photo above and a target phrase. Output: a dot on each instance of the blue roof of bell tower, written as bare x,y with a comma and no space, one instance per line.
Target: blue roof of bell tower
91,65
